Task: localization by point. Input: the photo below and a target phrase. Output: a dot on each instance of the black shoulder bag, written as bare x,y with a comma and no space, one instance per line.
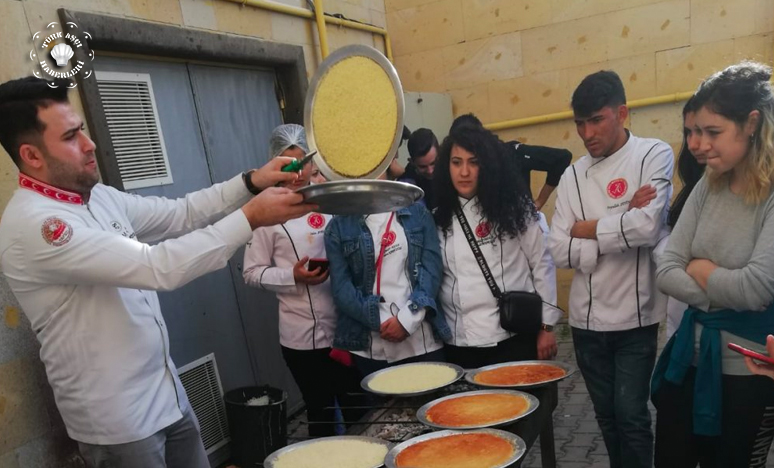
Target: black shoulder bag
521,312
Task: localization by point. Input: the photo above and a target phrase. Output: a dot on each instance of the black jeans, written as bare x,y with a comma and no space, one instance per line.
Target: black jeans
617,366
747,424
515,348
323,382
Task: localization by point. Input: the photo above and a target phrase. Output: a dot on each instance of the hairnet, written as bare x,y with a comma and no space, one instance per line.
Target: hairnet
285,136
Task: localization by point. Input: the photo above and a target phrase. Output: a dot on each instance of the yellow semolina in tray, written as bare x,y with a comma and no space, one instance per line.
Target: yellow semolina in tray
355,116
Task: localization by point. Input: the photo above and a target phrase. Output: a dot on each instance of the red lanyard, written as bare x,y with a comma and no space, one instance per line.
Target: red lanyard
385,240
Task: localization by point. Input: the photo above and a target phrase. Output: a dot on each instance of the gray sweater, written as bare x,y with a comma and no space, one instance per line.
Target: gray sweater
719,226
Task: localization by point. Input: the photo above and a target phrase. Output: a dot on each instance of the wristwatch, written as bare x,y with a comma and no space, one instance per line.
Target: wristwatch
546,327
248,180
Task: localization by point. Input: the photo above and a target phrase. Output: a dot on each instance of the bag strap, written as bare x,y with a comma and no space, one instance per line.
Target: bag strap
490,281
381,255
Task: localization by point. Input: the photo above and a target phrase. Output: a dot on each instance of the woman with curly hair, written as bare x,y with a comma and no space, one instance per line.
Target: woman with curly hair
475,186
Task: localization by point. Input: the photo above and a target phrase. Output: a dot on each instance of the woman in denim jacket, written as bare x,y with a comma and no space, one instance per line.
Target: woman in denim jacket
386,308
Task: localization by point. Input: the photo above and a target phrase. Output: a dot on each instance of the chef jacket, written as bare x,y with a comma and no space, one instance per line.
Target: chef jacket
520,263
85,276
307,316
614,285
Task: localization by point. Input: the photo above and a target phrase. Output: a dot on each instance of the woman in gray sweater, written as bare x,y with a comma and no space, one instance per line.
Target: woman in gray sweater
720,261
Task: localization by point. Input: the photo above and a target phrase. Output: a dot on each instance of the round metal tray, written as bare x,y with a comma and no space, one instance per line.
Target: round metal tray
271,460
532,405
361,197
335,57
569,369
367,380
519,447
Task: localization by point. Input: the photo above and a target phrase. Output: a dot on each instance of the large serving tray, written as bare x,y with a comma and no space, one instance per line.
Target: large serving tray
532,403
365,383
330,61
271,460
569,369
519,447
361,196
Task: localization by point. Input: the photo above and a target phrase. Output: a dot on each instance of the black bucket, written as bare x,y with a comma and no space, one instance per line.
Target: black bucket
256,431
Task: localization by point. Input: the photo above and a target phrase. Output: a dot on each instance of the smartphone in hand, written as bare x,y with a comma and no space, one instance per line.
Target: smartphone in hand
321,263
750,353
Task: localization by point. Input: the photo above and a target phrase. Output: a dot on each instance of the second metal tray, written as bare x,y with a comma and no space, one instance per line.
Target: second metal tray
569,369
532,403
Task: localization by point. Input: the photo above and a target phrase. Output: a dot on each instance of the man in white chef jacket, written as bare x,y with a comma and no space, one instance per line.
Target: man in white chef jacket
615,306
76,254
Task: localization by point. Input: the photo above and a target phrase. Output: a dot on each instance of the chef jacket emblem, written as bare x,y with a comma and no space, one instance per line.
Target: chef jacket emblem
617,188
316,221
56,231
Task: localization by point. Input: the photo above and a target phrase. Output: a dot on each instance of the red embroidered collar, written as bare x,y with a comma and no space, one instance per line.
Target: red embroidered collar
49,191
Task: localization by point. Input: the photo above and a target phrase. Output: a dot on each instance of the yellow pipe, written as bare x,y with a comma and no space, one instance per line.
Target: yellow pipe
565,115
319,15
304,13
278,7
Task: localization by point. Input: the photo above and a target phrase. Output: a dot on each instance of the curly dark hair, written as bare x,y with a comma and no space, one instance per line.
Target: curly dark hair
502,196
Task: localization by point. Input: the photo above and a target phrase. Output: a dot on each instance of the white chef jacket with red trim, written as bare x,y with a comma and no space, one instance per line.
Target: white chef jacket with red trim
307,315
85,276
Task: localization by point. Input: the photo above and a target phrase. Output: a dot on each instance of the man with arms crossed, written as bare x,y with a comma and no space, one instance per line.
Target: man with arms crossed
599,230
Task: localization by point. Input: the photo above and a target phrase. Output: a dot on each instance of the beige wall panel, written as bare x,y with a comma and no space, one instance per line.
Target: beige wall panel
421,71
395,5
339,37
638,74
564,45
311,59
759,48
164,11
292,29
23,416
351,10
245,20
377,5
484,18
198,14
114,7
648,28
378,18
426,27
764,16
482,61
16,37
473,99
664,122
538,94
715,20
680,70
566,10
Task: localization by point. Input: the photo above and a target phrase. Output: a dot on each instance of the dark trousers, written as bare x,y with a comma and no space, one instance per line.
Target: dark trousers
515,348
323,382
747,425
617,366
368,366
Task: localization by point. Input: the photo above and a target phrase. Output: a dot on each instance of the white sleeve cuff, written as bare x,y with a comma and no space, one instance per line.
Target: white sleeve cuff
589,254
411,321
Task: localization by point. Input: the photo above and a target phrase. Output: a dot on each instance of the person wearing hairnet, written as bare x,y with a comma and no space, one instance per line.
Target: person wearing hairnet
289,259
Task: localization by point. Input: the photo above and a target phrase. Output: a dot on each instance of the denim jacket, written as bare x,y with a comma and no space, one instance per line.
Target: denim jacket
350,249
